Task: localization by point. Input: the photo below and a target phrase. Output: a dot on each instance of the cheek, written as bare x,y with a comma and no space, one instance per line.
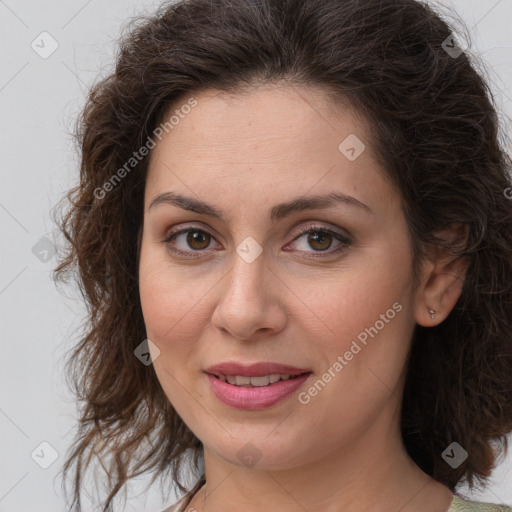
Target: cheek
365,316
164,309
354,298
172,307
349,394
170,302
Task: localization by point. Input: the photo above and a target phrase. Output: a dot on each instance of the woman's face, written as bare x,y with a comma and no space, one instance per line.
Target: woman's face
247,286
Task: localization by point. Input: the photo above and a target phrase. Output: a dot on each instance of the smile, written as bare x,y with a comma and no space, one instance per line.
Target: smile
252,393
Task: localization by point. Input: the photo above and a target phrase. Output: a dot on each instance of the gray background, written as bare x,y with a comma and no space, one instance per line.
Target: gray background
39,99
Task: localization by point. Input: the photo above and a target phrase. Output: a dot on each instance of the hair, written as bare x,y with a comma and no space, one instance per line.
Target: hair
435,129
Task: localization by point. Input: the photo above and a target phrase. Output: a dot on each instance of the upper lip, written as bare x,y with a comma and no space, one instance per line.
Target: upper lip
254,370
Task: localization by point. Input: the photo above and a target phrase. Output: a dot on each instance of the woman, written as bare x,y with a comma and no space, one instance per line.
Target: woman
294,235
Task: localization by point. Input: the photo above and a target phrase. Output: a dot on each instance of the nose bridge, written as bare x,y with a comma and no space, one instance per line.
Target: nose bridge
248,271
245,304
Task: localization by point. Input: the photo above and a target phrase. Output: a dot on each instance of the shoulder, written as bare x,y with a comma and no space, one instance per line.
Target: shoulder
462,504
181,504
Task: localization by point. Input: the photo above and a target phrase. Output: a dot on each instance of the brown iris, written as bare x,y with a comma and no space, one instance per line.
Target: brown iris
319,237
194,237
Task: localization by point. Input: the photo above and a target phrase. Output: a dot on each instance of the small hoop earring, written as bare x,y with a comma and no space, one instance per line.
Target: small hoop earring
431,311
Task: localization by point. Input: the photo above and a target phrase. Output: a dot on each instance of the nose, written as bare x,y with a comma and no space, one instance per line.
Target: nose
250,300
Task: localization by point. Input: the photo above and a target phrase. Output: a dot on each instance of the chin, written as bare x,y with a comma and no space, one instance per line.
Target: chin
256,450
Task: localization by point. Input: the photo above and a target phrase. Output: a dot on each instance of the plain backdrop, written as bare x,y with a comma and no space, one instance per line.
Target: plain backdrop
40,96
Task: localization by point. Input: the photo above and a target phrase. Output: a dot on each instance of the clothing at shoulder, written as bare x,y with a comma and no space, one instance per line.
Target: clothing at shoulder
178,506
462,504
459,504
181,505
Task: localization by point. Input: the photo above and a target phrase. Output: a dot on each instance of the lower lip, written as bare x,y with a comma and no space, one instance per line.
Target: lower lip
257,397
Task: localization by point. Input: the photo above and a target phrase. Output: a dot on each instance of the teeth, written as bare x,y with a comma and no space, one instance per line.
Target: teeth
264,380
243,381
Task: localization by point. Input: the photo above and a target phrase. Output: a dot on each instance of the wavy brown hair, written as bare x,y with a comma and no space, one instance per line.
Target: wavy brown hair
435,128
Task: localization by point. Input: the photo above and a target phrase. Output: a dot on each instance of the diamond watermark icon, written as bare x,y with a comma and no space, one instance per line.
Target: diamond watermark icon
455,455
454,46
44,45
44,455
351,147
249,455
249,249
43,249
147,352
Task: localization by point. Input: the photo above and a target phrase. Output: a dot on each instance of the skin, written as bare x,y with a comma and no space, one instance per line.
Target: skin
244,153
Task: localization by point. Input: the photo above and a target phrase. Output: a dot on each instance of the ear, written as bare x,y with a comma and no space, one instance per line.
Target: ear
443,275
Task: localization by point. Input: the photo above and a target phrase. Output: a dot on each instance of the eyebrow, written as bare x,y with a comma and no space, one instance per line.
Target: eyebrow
279,211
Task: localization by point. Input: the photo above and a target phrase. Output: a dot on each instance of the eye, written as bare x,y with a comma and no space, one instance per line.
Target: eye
320,239
198,240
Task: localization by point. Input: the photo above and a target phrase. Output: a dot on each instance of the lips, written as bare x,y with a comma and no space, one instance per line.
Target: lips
255,386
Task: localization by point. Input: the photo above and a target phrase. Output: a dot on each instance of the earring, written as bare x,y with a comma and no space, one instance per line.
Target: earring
431,311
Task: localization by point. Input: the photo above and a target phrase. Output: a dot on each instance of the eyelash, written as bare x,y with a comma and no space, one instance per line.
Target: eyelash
311,228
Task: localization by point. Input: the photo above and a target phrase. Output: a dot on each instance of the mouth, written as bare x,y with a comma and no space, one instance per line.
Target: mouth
255,386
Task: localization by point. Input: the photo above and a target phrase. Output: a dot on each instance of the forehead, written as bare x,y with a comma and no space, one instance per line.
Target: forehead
286,137
259,115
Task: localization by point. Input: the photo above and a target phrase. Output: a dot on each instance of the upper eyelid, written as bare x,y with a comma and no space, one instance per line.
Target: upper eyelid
303,230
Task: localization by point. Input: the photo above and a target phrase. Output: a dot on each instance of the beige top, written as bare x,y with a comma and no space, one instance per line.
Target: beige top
459,503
